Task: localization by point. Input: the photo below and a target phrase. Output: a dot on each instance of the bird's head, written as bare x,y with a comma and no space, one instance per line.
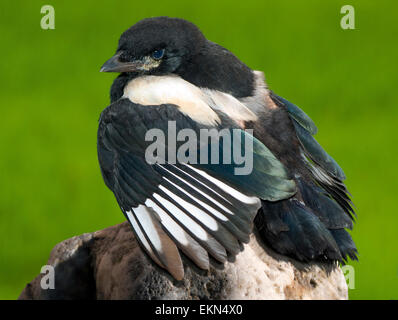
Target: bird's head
156,46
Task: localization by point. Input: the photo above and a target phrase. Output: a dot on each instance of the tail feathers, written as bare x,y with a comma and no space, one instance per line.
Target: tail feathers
327,210
312,229
345,243
332,215
293,230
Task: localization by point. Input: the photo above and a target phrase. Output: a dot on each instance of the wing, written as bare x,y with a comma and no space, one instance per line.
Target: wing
200,209
319,218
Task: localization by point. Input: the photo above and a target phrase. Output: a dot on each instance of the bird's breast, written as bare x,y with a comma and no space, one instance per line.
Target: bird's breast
159,90
201,104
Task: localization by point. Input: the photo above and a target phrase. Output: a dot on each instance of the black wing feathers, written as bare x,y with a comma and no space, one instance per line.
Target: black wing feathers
173,205
318,216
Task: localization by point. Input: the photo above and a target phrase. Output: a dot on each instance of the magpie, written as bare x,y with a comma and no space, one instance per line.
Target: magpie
294,196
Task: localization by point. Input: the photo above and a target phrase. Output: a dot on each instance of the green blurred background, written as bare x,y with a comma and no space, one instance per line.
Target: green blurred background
52,94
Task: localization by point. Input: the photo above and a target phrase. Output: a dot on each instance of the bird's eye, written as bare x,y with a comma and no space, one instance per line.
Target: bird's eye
158,54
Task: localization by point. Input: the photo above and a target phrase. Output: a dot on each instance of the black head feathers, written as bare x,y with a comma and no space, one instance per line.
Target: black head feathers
176,36
163,45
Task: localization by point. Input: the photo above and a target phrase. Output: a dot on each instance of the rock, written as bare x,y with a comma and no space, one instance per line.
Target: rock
109,264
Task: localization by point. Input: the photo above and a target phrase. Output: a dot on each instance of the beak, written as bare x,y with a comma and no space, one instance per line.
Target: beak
115,65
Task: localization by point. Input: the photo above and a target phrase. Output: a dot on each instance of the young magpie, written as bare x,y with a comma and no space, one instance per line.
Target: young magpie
294,196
